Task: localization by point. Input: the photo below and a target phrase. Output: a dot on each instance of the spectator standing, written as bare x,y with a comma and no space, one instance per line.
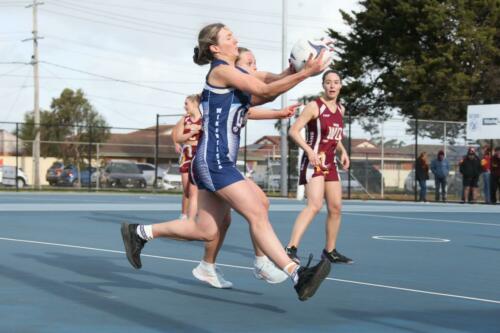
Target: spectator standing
495,175
486,168
440,167
470,168
422,174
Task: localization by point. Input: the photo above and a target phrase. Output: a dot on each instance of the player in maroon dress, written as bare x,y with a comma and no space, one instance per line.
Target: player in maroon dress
187,132
322,119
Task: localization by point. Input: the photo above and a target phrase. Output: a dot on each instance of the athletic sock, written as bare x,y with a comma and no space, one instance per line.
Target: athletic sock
145,231
291,269
260,260
207,266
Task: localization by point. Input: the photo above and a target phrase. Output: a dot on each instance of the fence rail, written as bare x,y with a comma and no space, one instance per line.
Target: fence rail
382,157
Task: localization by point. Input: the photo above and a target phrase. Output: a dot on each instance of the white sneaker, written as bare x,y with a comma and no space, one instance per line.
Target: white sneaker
183,217
268,272
213,277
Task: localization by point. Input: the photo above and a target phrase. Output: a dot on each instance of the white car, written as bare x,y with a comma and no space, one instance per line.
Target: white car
148,171
171,181
9,176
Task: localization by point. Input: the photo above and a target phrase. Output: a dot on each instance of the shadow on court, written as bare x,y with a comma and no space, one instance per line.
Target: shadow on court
484,248
115,276
454,320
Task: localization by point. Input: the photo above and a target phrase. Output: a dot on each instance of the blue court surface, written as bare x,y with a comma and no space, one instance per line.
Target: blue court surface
418,268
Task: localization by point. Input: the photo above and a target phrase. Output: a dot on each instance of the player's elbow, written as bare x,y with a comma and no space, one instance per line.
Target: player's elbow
266,92
292,134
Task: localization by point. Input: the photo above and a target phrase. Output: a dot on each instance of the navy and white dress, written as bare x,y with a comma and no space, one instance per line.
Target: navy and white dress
224,114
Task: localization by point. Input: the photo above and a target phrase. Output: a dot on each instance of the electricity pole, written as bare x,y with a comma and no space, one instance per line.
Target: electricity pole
36,110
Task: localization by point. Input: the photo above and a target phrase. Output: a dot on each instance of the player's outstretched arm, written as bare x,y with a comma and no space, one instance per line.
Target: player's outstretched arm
261,113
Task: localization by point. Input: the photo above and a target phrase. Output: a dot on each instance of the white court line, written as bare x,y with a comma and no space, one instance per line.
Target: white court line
250,268
422,219
411,239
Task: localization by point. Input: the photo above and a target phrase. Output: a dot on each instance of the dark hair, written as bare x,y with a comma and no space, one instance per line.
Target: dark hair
330,71
206,38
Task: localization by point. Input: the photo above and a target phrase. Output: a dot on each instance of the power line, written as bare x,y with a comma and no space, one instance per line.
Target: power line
135,29
11,70
105,80
114,79
124,101
142,21
240,11
17,97
111,24
176,13
82,10
133,62
213,7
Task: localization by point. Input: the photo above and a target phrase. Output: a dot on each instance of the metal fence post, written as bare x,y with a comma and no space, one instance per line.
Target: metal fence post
157,145
98,169
416,157
89,167
17,154
382,159
349,153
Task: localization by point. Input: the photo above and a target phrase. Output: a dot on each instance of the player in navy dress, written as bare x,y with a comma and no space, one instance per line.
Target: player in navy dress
264,268
225,100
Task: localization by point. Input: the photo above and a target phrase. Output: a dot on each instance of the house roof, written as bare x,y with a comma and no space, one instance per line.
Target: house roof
140,143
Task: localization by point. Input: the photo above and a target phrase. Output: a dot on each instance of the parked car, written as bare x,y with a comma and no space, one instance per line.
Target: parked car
122,174
54,173
171,180
148,171
87,176
9,177
72,177
69,176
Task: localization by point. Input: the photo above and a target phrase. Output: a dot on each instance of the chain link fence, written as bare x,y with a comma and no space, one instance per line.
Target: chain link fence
81,158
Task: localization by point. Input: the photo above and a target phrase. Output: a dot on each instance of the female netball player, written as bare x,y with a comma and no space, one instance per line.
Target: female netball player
227,95
187,132
264,268
318,172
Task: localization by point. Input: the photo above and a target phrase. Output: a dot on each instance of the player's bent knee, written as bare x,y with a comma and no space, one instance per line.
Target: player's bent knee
334,208
266,203
315,207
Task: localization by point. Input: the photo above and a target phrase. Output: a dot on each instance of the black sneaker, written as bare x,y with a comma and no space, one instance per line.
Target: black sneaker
292,254
311,277
336,257
133,244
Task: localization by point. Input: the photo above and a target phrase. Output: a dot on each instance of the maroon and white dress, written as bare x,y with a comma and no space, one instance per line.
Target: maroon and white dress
322,135
189,147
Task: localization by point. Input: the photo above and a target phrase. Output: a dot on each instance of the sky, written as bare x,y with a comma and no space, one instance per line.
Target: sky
94,44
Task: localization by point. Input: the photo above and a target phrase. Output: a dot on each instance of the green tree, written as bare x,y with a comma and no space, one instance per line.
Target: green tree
427,58
72,122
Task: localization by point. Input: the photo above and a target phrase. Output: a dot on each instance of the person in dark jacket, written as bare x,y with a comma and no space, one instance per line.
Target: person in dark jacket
421,175
470,168
440,167
495,175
